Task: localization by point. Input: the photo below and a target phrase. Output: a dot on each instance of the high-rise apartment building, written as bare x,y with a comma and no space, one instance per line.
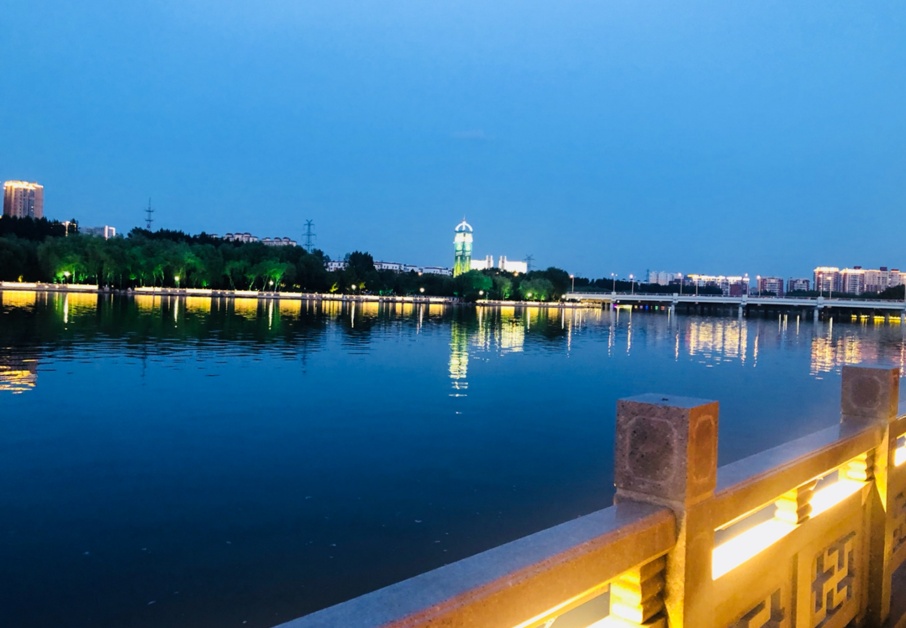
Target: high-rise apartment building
22,199
828,279
797,284
770,285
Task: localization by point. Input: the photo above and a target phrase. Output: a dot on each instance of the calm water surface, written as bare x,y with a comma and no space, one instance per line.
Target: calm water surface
216,463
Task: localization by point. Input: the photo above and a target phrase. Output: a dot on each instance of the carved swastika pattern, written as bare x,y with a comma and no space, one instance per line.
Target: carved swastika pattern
899,525
768,613
833,578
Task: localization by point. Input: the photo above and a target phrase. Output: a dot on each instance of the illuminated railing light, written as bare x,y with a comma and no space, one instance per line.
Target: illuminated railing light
734,552
828,497
899,456
542,618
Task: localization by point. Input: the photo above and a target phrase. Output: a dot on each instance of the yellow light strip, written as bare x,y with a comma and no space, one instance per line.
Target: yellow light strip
559,609
827,498
734,552
730,554
899,456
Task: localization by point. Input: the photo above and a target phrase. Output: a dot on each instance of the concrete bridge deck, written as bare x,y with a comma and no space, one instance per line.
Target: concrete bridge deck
818,303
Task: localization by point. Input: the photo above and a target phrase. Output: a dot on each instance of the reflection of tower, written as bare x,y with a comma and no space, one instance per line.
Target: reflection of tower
459,356
462,248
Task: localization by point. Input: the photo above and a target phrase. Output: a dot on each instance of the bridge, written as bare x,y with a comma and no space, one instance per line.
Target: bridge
809,534
744,302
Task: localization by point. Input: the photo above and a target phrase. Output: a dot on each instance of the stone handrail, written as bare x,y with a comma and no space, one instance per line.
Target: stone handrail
556,568
807,534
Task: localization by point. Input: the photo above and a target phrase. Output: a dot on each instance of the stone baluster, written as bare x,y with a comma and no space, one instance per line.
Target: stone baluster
870,396
666,454
795,506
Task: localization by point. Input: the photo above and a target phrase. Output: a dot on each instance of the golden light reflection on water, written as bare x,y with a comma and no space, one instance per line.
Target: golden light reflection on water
19,298
246,308
147,302
510,334
718,339
19,376
459,358
198,305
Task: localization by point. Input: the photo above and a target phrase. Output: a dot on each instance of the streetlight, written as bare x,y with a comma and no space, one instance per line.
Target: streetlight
680,275
422,291
757,285
573,279
631,284
176,277
614,277
271,284
528,296
66,274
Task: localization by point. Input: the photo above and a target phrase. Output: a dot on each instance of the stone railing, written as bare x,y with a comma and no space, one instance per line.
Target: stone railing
808,534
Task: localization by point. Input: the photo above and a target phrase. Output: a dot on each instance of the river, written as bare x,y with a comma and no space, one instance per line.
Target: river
212,462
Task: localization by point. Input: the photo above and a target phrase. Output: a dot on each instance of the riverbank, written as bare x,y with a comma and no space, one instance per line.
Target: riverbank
289,296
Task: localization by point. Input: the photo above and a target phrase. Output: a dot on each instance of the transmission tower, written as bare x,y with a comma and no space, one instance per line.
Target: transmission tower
149,215
528,262
309,234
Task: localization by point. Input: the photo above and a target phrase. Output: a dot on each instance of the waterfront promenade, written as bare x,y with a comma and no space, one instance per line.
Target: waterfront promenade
811,533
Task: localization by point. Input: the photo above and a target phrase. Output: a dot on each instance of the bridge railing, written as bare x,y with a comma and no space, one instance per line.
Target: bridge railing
809,533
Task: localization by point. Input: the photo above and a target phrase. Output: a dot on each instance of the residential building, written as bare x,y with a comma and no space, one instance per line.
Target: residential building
794,284
733,285
22,199
769,285
512,267
663,278
105,232
828,279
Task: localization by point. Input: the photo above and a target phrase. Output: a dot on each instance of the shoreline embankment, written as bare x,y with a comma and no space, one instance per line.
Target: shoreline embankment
267,295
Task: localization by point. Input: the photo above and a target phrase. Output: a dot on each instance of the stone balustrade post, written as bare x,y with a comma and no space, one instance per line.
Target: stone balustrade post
870,396
666,454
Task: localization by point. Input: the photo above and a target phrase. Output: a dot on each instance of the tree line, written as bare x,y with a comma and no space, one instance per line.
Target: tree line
48,251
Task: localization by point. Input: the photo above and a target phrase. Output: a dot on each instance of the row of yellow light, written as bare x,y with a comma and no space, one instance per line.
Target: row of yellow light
748,544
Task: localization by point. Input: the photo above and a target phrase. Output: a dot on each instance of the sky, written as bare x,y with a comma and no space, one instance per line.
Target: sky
600,137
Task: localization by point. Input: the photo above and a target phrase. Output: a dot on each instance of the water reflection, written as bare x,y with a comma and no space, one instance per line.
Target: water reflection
18,371
41,321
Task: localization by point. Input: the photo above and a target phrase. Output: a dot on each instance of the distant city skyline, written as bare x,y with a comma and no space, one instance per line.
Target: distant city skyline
596,137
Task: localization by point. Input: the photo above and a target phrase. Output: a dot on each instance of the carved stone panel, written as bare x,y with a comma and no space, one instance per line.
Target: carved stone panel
898,512
833,579
770,612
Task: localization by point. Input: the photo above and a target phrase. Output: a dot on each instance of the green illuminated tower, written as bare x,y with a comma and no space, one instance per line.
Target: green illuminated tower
462,248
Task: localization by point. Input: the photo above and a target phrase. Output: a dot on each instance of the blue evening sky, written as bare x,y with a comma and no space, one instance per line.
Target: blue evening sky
607,136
